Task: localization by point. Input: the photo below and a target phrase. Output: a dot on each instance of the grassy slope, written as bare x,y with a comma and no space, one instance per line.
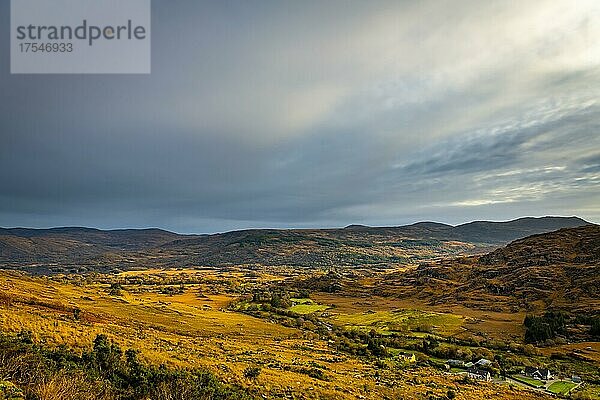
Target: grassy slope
402,320
190,329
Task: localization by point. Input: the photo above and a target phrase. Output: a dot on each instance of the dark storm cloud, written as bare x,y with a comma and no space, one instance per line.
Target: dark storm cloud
505,146
315,113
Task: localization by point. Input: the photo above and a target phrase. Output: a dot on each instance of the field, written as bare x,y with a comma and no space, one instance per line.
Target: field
473,322
306,306
319,346
180,330
529,381
401,320
561,387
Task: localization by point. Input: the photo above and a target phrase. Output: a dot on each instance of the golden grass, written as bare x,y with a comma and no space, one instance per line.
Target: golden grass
402,320
194,329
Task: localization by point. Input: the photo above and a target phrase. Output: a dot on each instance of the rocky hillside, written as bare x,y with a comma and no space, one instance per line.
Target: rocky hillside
575,246
559,269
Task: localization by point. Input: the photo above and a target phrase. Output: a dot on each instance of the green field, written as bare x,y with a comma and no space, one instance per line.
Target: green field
402,321
561,387
306,306
528,381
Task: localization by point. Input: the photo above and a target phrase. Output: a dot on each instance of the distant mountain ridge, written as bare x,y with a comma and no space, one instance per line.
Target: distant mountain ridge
355,245
120,238
498,232
490,232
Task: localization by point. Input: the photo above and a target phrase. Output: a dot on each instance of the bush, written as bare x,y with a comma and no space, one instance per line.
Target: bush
103,373
252,372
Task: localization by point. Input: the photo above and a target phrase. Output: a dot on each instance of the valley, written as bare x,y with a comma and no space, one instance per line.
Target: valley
324,329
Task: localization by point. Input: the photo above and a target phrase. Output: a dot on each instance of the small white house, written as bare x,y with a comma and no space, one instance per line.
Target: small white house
543,374
407,357
479,374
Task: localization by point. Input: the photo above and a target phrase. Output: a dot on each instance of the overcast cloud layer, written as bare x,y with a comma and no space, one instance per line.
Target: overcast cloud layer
316,113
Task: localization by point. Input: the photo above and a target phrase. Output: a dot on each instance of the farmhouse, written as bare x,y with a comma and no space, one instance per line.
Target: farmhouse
455,363
479,374
537,373
407,357
483,362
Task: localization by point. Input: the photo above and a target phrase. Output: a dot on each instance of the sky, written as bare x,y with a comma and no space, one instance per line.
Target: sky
315,114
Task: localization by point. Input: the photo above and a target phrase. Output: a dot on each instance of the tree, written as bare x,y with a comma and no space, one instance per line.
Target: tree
115,289
106,356
278,301
545,327
376,347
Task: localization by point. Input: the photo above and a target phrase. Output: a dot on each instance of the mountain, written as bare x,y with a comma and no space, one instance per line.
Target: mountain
566,246
483,232
119,238
502,232
73,245
560,269
355,245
